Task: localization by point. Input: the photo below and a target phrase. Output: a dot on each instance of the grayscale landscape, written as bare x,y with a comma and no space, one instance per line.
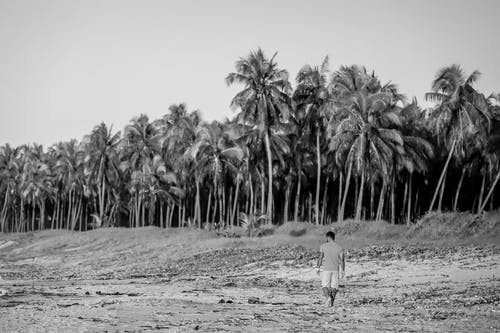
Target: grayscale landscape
181,166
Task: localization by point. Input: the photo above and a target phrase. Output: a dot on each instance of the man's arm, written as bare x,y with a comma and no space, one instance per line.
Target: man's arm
320,260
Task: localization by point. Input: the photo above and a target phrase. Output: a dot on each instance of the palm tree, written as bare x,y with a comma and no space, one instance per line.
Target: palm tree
101,164
493,155
418,151
176,133
366,138
9,174
176,130
301,159
216,153
139,142
264,101
69,178
153,182
36,183
461,112
345,88
311,96
139,147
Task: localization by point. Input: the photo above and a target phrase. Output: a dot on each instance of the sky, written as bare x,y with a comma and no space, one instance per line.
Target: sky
67,65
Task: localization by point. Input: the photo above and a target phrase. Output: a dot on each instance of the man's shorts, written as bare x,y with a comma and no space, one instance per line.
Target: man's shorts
330,279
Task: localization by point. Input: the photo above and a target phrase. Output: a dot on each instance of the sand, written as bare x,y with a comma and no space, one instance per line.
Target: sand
184,281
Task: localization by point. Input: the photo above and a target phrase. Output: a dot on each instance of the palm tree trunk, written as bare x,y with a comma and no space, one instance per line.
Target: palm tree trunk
85,217
262,196
171,218
236,192
381,198
32,217
287,199
21,215
360,197
195,210
58,206
450,154
303,209
297,200
250,211
183,212
54,214
68,216
167,216
490,193
237,214
441,193
61,215
405,195
179,215
480,204
372,195
318,176
4,210
198,205
270,175
340,194
101,200
221,207
408,216
74,214
256,202
246,207
310,208
346,190
207,219
393,202
416,205
356,195
78,213
161,215
228,210
459,187
143,212
323,210
215,207
137,210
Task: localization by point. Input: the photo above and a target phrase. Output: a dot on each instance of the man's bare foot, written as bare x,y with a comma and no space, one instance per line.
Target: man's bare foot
333,293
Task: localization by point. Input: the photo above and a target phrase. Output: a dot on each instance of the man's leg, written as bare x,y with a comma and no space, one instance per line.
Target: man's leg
333,293
325,285
334,284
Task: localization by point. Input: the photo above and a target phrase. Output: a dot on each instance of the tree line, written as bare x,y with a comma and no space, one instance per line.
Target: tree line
338,144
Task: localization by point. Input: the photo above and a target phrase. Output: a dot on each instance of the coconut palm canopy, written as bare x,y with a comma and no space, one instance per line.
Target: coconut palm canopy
341,144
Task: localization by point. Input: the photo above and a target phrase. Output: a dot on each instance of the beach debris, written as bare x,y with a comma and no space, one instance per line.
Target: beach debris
116,293
67,305
254,300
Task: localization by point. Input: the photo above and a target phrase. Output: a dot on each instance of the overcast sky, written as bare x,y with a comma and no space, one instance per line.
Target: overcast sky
67,65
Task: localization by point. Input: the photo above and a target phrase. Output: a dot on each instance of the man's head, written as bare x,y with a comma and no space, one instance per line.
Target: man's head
330,236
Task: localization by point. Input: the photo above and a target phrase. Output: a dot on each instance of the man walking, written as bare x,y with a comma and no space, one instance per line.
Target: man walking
332,256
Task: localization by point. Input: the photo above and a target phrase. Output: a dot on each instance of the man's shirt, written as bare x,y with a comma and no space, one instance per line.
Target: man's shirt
332,256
